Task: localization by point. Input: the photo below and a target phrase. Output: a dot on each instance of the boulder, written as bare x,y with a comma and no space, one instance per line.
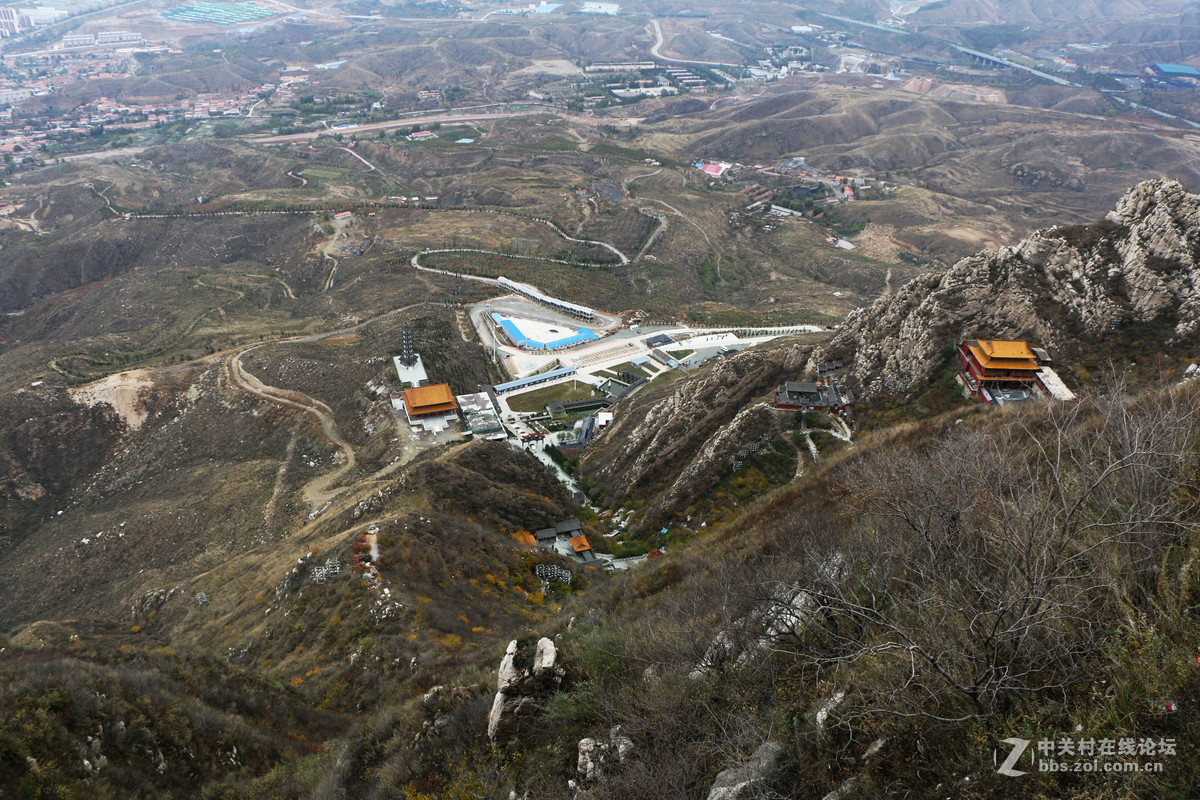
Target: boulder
825,709
595,753
438,706
747,779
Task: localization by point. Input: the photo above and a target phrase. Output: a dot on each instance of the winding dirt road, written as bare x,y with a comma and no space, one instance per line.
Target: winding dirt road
318,492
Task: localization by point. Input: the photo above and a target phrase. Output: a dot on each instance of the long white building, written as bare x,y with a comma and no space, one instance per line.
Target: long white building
533,293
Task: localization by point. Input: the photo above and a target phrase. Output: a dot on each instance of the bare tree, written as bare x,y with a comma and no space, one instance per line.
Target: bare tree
992,562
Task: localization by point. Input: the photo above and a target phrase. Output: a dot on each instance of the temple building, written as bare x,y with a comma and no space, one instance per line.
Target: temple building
430,407
1000,371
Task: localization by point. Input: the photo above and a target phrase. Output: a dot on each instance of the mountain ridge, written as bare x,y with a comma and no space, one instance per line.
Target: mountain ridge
1137,266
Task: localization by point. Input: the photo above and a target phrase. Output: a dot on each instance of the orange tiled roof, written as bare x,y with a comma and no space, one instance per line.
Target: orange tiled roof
525,538
1000,354
1005,348
580,543
429,399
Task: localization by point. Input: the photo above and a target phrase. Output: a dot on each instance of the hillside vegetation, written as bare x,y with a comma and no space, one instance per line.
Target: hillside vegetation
887,621
877,621
232,569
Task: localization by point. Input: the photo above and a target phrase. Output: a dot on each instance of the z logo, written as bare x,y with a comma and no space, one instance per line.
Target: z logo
1018,746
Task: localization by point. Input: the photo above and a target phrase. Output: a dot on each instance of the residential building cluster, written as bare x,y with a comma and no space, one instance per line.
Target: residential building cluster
813,396
567,539
25,77
17,20
104,38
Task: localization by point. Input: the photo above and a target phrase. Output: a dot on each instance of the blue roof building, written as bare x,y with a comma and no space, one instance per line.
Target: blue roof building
520,339
1176,71
533,380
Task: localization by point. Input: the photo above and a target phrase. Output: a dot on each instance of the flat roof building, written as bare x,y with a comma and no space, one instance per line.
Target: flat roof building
664,358
658,340
807,396
410,374
1052,385
1175,71
534,380
535,294
480,415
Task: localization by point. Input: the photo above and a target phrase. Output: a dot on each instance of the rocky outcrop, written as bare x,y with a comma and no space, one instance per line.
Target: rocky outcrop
749,779
671,442
594,754
1033,176
783,614
849,787
1059,287
438,707
528,675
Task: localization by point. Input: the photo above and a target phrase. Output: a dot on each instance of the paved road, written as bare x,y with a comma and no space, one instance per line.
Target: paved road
370,166
503,111
320,491
416,259
1012,64
655,51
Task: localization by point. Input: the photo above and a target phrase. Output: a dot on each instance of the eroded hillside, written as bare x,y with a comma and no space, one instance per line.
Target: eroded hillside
1132,277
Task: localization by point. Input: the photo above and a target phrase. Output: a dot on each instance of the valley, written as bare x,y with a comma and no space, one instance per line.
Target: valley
454,400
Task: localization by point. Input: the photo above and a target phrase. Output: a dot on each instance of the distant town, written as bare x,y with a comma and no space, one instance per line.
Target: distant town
41,116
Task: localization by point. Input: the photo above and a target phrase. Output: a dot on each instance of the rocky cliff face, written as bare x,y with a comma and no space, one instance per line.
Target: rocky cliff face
666,442
1063,288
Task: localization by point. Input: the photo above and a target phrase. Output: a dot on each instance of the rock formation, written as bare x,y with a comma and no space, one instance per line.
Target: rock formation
677,437
438,705
524,681
749,779
594,754
1061,286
